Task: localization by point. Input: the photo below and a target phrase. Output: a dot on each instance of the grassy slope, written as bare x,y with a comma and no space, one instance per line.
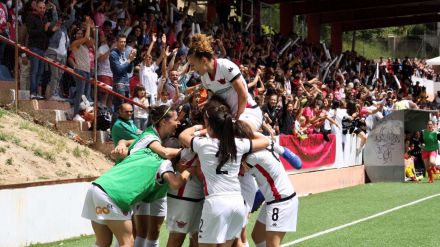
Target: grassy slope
30,152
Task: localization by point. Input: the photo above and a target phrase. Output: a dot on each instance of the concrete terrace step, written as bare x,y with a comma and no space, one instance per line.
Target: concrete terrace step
44,104
105,147
7,85
52,116
87,135
75,126
7,97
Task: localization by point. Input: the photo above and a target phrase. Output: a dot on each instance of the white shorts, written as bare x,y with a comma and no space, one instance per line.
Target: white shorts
252,115
183,216
98,206
222,218
156,208
280,216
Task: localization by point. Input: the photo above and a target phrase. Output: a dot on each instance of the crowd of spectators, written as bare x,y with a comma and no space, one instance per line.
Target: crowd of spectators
301,88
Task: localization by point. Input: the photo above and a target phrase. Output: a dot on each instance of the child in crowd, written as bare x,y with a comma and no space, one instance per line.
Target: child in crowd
140,115
410,172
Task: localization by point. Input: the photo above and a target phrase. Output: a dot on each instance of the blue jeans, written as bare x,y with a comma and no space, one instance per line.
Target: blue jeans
2,49
36,70
81,88
120,88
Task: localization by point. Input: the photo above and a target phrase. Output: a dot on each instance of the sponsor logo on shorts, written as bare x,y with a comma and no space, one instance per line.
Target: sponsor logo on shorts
274,224
102,210
181,224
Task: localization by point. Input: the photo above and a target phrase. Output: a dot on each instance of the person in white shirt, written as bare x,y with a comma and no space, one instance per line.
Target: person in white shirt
140,115
220,154
105,74
147,72
222,77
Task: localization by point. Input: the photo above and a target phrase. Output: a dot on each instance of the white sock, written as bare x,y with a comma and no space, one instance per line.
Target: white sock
262,244
140,242
152,243
95,245
116,243
246,244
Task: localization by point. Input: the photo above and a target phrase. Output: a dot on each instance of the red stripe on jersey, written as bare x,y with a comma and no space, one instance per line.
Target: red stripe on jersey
182,189
214,71
269,179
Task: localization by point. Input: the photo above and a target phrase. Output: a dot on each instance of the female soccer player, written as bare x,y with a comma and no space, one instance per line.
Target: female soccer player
149,216
185,205
220,154
140,176
430,138
222,77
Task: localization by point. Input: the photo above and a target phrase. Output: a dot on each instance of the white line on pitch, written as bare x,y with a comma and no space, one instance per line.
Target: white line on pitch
356,221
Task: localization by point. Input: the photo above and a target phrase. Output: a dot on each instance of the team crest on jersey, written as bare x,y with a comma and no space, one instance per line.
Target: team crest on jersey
181,224
222,81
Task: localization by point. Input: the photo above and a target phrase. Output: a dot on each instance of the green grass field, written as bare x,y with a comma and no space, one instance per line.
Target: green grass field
415,225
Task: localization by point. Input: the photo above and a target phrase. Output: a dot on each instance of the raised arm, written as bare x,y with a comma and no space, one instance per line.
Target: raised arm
164,45
153,41
75,44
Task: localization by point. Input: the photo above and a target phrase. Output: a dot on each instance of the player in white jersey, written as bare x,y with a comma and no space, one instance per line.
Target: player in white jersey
220,156
185,205
222,77
279,214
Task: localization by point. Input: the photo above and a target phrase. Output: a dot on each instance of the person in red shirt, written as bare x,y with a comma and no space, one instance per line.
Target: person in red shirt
3,28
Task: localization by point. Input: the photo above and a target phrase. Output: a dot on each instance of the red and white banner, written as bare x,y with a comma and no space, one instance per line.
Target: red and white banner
314,151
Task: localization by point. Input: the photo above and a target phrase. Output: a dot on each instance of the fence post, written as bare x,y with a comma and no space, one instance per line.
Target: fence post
95,93
16,74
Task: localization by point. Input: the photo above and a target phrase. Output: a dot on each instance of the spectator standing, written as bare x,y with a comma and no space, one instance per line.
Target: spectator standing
37,26
59,43
3,29
147,73
120,66
105,74
81,63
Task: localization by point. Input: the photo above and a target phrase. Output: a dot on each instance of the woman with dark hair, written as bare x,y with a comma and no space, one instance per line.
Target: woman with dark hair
149,215
144,175
279,214
220,155
80,51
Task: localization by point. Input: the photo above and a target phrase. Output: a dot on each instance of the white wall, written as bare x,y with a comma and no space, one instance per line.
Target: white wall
42,214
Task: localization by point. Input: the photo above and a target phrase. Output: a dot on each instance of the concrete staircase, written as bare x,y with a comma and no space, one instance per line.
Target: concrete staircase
56,115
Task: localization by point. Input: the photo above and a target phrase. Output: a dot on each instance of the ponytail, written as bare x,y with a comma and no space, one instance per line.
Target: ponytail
220,121
227,148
